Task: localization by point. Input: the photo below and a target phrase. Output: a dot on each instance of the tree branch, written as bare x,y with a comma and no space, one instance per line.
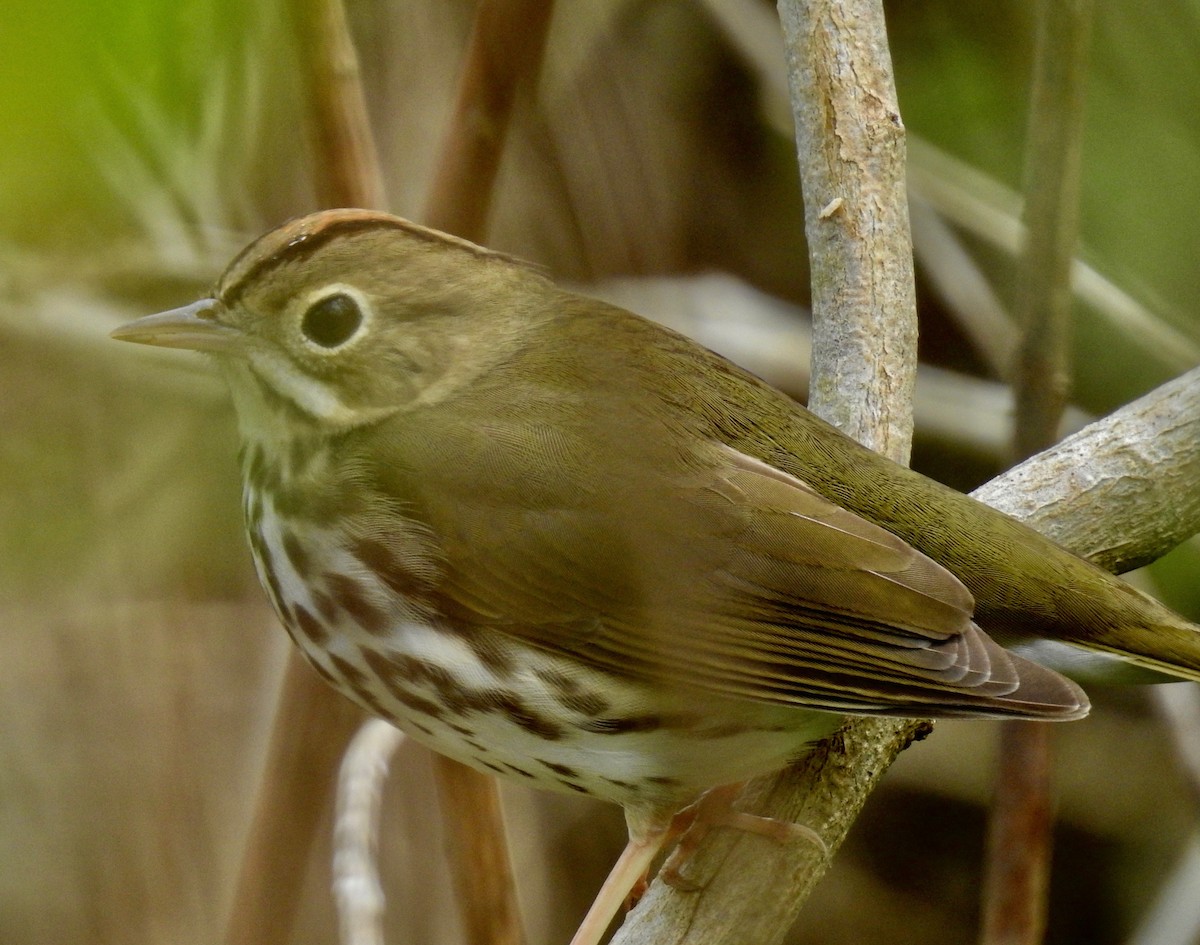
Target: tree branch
1120,492
752,889
851,152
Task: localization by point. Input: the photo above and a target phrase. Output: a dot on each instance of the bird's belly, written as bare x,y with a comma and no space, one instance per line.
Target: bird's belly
544,719
498,704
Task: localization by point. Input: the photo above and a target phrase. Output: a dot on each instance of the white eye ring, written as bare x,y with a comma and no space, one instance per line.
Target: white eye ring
333,317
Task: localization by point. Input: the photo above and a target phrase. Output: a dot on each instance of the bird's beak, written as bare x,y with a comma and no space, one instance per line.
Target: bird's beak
192,327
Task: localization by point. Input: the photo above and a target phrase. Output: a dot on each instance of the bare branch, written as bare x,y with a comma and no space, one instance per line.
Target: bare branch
851,151
1122,491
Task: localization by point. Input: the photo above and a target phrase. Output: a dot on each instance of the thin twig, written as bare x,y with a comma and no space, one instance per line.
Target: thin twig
347,161
1016,881
1052,160
312,722
958,280
503,54
984,208
1017,864
477,851
312,725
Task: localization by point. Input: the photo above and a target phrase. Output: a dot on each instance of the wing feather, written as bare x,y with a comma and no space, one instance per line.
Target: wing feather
721,573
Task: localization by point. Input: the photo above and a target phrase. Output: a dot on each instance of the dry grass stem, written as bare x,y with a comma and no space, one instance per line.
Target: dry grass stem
962,286
1052,159
985,208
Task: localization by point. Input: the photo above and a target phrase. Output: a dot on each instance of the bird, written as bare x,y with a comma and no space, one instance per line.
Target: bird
560,543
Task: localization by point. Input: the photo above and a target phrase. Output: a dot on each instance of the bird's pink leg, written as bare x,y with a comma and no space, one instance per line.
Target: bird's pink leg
650,830
646,838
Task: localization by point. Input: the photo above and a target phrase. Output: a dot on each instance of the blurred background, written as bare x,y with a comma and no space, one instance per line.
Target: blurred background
144,141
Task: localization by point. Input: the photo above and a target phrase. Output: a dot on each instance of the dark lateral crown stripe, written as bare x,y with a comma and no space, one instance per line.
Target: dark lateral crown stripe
302,236
295,240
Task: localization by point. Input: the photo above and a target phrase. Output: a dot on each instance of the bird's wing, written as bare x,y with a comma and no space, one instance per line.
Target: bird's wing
733,577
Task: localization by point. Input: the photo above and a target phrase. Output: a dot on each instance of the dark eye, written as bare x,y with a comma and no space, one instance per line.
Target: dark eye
331,321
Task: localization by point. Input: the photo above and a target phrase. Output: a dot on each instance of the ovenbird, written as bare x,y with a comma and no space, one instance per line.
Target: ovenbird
558,542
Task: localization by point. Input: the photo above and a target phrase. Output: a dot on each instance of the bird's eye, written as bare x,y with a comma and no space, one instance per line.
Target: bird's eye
331,321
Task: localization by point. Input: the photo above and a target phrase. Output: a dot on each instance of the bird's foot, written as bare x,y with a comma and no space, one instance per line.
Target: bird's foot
715,809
